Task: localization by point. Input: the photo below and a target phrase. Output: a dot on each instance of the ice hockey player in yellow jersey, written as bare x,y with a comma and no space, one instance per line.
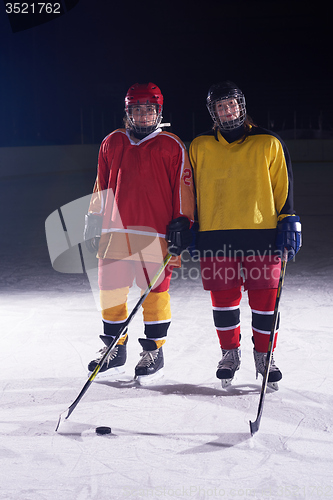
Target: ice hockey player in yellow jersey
244,186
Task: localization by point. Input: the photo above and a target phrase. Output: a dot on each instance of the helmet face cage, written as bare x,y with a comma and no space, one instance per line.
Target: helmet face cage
143,107
144,118
227,107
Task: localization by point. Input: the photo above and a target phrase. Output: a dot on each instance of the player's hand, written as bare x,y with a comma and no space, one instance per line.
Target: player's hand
289,236
92,231
179,235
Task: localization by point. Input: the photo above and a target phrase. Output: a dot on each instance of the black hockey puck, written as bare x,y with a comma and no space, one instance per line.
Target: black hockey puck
103,430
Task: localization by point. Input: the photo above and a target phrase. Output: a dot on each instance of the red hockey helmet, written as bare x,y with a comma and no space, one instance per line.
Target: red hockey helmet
144,93
144,97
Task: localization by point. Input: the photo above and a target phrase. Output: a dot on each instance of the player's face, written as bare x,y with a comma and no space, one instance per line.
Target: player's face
228,110
144,114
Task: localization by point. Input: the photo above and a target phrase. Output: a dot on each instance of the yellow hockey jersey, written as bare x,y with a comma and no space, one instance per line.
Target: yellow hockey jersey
242,188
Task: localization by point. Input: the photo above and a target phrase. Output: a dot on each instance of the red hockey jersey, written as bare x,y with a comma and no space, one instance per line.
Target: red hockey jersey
140,188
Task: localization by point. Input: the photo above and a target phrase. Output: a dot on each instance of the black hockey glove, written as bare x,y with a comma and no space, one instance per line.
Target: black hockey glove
179,235
289,235
92,231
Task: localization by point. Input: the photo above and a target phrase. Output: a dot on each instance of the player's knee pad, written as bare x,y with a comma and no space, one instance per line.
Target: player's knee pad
156,307
114,304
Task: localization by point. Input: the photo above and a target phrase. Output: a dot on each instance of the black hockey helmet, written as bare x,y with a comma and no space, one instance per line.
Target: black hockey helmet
224,94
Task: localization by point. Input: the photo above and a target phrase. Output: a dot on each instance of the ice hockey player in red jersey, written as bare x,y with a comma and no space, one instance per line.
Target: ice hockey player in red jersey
244,186
143,200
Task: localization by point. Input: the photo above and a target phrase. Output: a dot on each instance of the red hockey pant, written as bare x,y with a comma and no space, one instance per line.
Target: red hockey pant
224,279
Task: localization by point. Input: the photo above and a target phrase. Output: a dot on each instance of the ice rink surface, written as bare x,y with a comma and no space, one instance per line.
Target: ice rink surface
185,438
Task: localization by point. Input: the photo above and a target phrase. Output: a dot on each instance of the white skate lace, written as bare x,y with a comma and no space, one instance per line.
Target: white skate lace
148,357
112,354
260,361
229,360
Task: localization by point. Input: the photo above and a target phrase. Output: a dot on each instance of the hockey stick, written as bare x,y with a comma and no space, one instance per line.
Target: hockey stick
86,386
254,426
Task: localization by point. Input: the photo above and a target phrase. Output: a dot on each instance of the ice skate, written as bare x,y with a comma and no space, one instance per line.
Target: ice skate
228,365
150,367
114,363
274,373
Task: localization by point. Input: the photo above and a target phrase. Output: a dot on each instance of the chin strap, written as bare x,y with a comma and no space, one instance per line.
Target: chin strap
141,135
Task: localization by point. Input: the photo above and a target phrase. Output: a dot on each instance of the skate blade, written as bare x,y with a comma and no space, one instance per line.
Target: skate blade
226,382
273,385
110,374
149,379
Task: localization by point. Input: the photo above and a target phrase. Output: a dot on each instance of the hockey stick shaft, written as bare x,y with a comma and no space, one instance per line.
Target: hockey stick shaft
254,426
91,378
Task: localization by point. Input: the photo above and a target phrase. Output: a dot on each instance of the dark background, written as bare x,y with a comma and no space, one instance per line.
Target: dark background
64,81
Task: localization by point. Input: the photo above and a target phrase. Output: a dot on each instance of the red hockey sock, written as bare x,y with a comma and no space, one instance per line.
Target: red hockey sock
226,315
262,303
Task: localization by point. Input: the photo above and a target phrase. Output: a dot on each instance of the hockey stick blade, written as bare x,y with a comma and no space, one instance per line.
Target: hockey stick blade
86,386
254,426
